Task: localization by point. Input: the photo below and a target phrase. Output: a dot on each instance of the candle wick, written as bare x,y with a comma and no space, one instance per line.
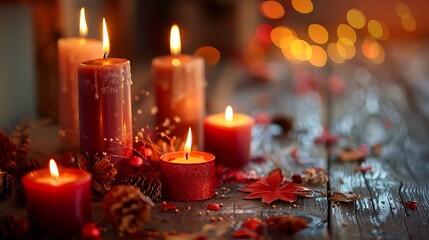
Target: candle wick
187,155
105,55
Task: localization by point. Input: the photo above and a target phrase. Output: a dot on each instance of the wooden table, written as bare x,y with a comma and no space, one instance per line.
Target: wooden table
361,114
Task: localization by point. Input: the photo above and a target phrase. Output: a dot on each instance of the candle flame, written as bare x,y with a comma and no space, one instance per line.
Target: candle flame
175,47
188,144
229,114
53,168
83,28
106,44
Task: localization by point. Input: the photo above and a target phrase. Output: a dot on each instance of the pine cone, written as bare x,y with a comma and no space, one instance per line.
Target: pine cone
6,185
12,227
103,171
7,152
149,184
127,209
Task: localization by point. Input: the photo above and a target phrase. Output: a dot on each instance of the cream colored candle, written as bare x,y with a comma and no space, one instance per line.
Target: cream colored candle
71,52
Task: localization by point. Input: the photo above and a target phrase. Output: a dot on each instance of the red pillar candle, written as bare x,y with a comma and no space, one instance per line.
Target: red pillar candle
105,109
188,175
71,52
180,91
58,202
228,137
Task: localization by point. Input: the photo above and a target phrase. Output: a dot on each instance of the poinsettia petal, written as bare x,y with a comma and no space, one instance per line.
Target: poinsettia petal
256,195
255,187
275,178
269,197
288,197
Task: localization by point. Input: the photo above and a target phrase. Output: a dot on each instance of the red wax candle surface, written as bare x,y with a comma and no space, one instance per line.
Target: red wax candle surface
105,110
188,180
57,208
229,141
180,94
71,52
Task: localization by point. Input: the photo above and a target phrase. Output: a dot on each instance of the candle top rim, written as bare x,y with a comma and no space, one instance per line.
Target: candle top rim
182,57
104,61
208,157
81,176
66,39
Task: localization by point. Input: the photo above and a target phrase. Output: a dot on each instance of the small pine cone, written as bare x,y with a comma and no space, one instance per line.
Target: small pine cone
127,209
20,195
7,152
6,185
149,184
12,227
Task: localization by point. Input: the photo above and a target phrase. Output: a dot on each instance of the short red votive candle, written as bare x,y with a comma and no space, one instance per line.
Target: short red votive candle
57,206
228,136
188,175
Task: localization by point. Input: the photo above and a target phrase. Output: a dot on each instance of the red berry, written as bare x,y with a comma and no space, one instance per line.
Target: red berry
295,153
90,231
135,162
296,178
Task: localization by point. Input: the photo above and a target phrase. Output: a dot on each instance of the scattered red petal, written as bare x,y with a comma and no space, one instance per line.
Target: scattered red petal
326,138
296,178
364,148
364,169
168,206
254,224
245,233
259,159
294,153
411,204
272,188
239,176
213,206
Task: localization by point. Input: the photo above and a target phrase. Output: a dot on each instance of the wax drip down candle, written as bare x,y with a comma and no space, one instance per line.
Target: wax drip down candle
188,175
58,201
71,52
180,91
105,108
228,137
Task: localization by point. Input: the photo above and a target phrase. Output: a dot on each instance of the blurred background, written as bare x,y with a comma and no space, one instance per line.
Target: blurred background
263,46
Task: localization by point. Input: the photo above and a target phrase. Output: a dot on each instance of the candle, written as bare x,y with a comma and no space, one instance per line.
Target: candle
71,52
228,137
180,91
58,202
188,175
105,108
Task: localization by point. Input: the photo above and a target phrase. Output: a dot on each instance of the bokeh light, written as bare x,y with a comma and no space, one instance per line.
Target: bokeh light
263,33
356,18
272,9
318,33
285,46
375,29
408,23
299,49
318,56
346,48
402,9
373,50
279,33
334,55
347,32
303,6
210,54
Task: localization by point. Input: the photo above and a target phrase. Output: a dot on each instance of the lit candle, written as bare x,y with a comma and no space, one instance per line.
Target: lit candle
71,52
228,137
188,175
105,108
58,202
180,90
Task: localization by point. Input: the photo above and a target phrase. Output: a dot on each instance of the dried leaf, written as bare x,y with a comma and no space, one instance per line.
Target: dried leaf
272,188
364,169
286,224
344,197
352,155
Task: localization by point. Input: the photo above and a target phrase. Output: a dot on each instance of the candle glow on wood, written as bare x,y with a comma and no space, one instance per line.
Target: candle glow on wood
229,114
83,28
106,43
